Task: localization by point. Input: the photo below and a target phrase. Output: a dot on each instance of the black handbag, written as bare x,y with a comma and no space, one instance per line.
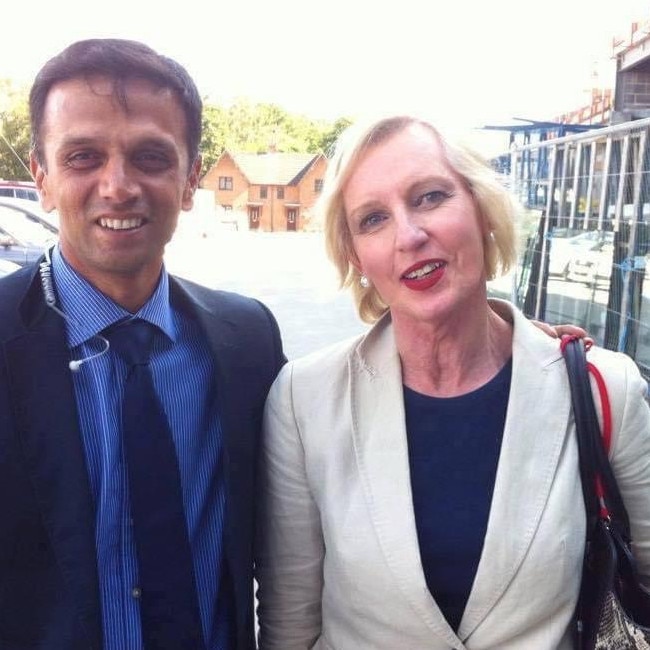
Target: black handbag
613,611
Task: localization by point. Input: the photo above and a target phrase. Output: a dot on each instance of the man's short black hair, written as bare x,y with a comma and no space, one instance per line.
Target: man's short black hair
121,61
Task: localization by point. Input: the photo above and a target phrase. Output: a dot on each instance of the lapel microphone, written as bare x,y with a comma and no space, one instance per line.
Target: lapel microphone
45,271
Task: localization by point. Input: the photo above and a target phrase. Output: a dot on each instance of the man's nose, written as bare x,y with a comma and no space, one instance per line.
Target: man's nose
117,181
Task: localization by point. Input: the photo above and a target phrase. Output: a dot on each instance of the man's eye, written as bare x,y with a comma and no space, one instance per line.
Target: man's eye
152,161
83,159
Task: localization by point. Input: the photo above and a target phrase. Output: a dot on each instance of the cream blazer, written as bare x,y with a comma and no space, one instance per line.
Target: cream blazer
338,561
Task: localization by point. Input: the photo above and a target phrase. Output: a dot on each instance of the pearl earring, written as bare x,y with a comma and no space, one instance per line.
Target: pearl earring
364,282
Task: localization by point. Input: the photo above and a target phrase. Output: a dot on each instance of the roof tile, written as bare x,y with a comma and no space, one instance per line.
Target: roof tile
272,168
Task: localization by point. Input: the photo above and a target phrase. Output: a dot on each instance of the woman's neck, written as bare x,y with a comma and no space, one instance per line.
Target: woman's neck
453,357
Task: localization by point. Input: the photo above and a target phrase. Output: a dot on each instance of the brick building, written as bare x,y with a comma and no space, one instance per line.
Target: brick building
275,190
632,94
598,112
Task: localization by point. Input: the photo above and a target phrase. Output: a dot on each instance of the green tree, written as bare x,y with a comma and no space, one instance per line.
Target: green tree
329,138
243,126
261,127
213,141
14,132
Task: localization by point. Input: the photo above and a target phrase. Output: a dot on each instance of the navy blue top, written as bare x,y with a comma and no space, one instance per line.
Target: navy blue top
454,446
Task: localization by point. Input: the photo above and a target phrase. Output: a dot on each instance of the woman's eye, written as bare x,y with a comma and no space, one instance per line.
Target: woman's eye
431,198
371,221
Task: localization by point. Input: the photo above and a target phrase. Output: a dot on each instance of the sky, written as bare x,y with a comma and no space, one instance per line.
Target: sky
466,64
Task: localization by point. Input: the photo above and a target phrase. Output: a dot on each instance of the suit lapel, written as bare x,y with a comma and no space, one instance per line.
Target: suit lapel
532,442
382,454
46,422
233,367
224,341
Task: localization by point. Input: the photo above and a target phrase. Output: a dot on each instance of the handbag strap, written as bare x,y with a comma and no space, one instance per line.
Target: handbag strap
600,491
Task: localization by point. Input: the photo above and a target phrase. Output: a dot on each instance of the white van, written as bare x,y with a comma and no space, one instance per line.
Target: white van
18,190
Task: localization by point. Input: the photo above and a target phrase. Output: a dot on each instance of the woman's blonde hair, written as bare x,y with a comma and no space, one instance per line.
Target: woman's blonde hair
495,205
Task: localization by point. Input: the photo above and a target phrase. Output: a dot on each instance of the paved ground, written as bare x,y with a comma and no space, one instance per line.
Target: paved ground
289,272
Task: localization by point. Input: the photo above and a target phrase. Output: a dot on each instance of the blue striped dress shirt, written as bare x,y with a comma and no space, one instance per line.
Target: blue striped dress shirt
184,377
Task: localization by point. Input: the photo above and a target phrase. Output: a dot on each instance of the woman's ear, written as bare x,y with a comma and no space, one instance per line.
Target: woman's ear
353,260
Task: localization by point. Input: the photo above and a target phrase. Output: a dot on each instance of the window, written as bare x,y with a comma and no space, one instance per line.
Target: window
19,193
225,182
227,207
280,192
318,185
263,192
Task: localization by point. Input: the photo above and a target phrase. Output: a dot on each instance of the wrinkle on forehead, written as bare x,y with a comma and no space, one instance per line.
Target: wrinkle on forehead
120,88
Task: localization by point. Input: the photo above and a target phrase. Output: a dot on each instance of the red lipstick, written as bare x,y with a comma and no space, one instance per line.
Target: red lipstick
430,273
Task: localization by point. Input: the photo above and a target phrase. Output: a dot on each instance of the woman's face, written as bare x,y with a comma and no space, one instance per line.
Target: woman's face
416,230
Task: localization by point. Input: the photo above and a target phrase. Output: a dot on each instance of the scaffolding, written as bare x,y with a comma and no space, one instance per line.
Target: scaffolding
585,234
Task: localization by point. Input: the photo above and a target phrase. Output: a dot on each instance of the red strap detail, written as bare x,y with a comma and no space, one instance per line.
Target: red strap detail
567,338
606,433
607,418
600,493
605,405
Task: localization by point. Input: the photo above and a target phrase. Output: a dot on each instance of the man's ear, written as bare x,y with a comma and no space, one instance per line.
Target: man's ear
192,183
40,178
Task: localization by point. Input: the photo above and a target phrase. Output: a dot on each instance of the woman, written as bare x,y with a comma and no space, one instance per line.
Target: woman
421,482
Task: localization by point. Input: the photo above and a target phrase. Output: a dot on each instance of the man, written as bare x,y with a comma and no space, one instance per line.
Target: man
115,136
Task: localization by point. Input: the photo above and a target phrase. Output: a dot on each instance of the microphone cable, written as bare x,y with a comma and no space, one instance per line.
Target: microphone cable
45,271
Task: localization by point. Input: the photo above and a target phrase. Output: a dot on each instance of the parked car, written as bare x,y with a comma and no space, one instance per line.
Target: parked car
7,267
34,210
566,247
19,190
593,266
24,234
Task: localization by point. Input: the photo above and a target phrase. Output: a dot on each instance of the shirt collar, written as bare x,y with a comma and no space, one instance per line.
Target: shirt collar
88,311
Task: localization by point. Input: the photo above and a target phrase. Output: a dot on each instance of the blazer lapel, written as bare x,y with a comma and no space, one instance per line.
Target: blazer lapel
526,469
382,453
46,422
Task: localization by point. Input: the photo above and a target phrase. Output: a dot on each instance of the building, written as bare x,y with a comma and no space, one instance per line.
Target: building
276,191
529,132
597,113
632,94
584,230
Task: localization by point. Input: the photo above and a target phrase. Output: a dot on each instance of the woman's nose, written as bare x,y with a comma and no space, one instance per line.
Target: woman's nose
410,233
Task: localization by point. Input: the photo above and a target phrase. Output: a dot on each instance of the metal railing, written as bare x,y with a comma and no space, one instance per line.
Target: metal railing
585,234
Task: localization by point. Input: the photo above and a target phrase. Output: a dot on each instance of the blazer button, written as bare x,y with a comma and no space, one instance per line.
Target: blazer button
136,592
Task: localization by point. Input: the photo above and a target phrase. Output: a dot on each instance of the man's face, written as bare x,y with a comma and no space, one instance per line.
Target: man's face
117,177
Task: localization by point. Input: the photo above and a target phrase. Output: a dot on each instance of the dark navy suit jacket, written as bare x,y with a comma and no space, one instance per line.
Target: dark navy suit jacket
49,595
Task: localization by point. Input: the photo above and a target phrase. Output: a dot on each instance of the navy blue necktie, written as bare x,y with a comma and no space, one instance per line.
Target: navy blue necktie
169,608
